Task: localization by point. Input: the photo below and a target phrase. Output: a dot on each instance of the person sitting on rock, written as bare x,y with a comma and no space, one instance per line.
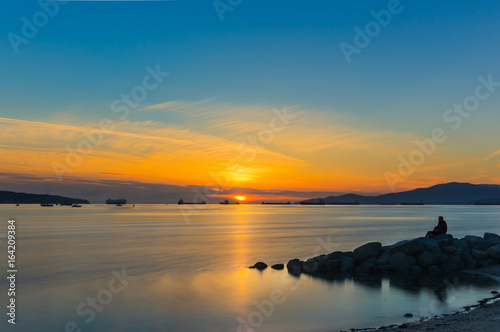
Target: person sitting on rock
440,229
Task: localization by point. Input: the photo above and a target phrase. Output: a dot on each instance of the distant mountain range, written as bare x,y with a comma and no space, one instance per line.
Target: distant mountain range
10,197
449,193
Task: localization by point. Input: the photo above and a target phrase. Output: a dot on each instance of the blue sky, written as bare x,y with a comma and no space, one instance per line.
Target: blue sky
272,54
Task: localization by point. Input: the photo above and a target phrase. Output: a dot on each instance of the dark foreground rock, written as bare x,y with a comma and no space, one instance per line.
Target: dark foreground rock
259,266
421,255
278,267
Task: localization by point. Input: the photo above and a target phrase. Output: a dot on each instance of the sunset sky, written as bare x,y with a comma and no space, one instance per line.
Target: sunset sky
154,100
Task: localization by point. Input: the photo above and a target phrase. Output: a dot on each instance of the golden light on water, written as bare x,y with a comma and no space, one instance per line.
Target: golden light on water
240,198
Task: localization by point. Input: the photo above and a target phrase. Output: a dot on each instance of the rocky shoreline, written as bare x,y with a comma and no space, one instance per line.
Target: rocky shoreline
417,259
421,255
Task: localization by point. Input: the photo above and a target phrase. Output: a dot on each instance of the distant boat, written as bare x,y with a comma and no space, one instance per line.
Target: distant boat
271,203
181,202
46,204
17,204
226,202
344,203
116,201
76,205
321,202
419,203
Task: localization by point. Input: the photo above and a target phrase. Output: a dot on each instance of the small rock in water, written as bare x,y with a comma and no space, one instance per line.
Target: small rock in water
408,315
259,266
278,266
494,292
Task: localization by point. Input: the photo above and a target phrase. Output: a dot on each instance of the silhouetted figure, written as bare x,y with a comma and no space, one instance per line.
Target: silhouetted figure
440,229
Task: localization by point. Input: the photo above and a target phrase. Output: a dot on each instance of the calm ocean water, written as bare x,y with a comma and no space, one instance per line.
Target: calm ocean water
189,272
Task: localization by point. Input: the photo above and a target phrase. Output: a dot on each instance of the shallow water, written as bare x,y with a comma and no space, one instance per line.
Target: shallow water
190,267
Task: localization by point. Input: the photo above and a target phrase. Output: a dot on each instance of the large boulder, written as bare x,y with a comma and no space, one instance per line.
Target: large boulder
294,266
491,242
450,250
434,269
489,236
346,264
453,263
383,259
310,266
411,247
494,252
476,242
479,254
461,245
334,255
399,262
367,251
259,266
468,260
428,258
366,268
430,244
329,266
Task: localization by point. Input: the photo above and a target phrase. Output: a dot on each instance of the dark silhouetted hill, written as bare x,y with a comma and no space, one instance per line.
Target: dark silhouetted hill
449,193
10,197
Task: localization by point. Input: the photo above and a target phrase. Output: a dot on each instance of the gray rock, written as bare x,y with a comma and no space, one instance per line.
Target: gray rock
476,242
428,258
346,264
460,244
448,237
443,240
412,260
491,242
450,250
399,262
365,268
294,266
429,244
334,255
434,269
415,269
384,268
310,266
259,266
494,252
468,260
488,236
383,259
329,266
367,251
411,247
453,263
479,254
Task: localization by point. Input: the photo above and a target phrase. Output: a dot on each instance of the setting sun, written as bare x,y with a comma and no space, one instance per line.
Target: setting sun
240,198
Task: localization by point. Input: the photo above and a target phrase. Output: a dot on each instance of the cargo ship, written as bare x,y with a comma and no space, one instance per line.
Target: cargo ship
116,201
